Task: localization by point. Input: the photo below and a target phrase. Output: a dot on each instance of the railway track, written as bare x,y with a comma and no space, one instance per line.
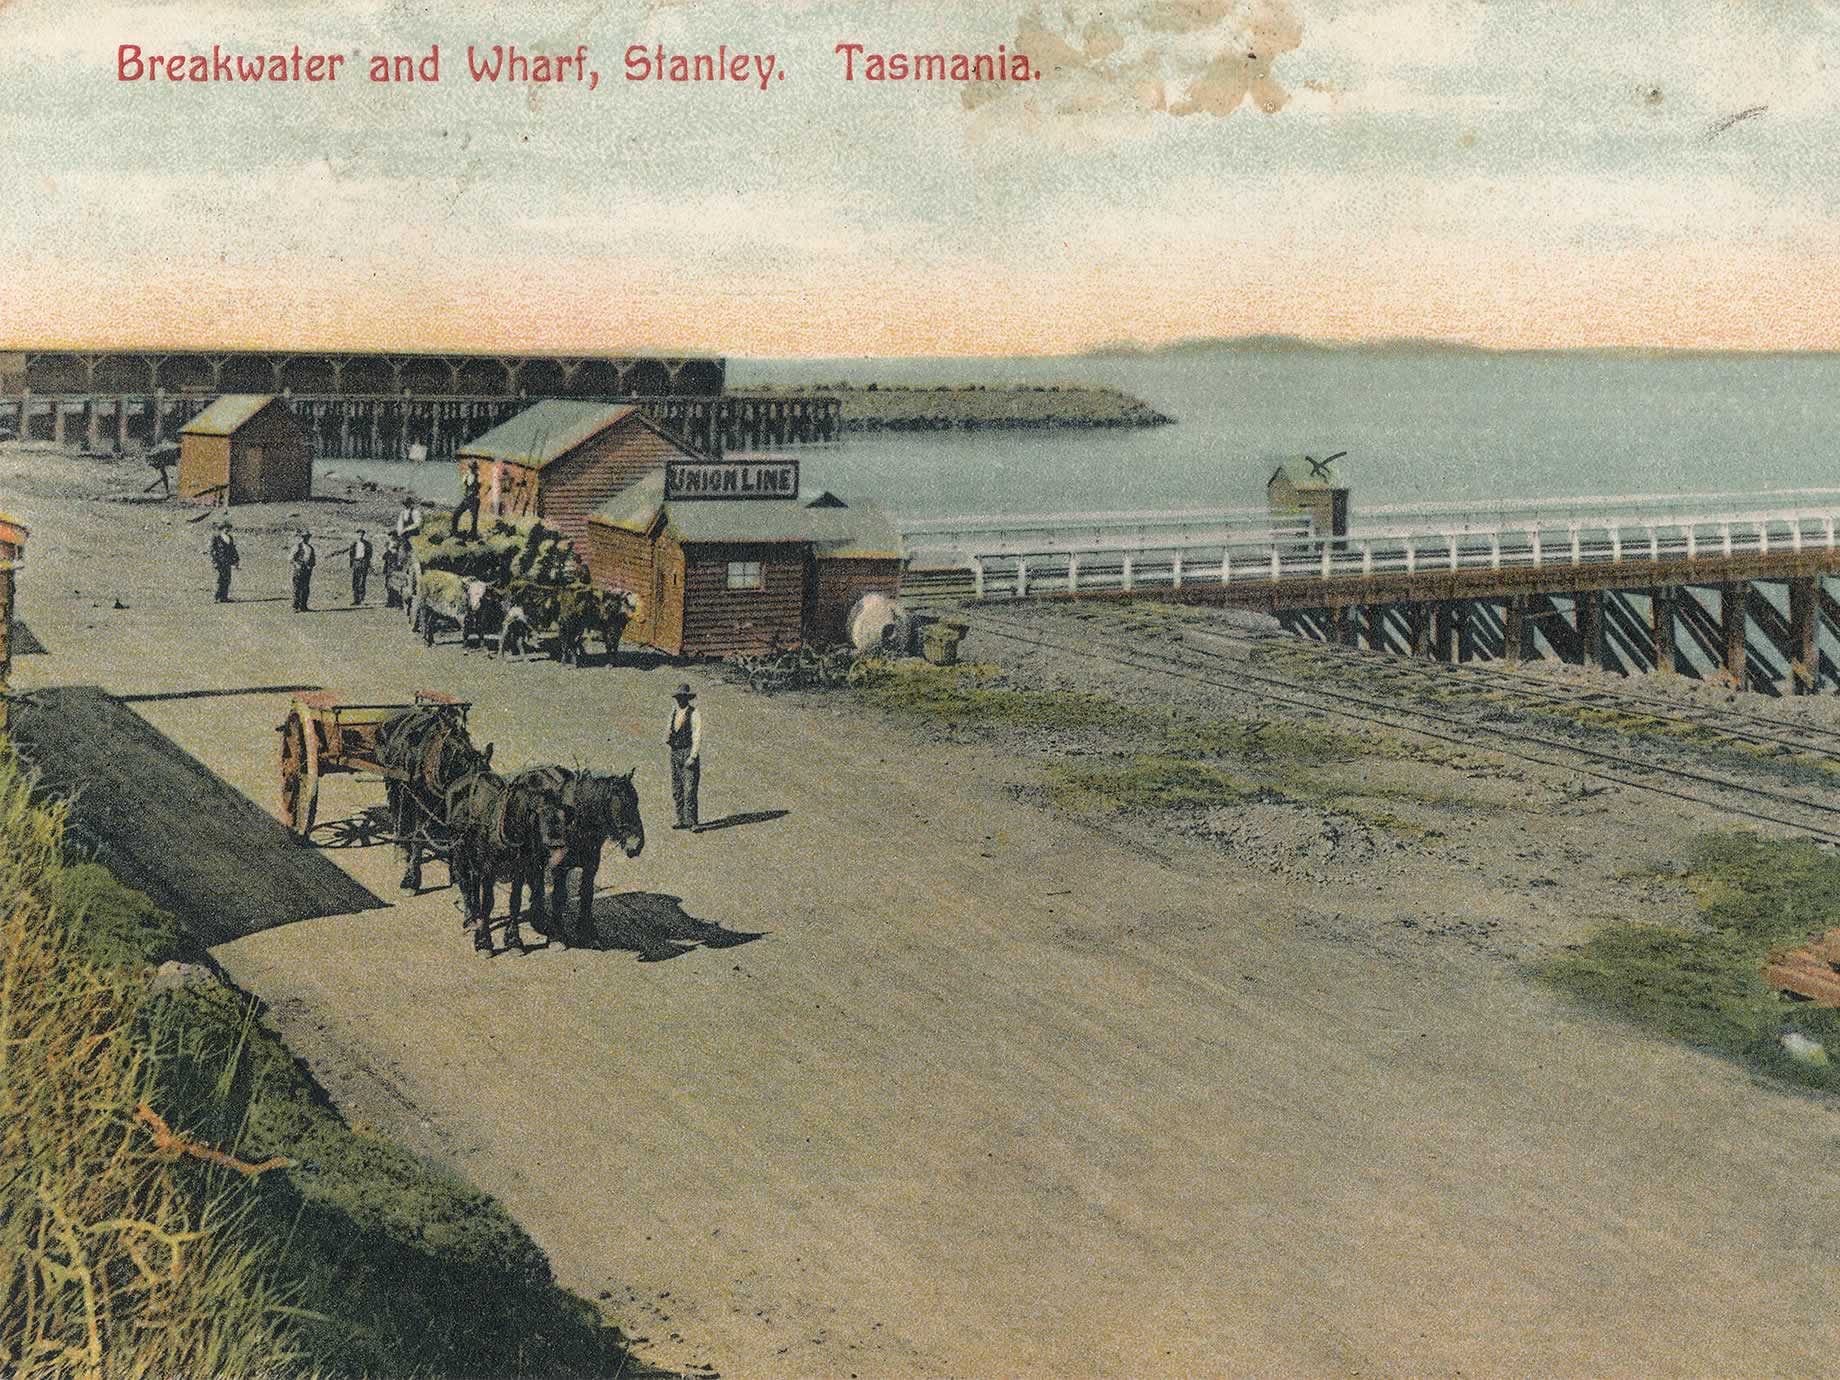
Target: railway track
1813,818
1508,687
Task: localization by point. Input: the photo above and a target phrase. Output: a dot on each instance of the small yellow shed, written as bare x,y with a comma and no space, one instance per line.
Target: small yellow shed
244,448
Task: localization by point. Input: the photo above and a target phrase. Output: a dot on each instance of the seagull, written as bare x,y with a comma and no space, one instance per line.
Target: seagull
1319,469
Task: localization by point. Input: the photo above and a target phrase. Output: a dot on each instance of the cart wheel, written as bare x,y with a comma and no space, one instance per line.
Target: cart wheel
299,777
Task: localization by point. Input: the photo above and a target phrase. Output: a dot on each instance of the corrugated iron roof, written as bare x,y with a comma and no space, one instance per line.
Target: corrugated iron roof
860,529
229,412
546,431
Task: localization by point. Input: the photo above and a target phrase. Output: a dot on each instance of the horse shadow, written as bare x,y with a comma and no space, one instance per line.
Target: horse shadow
634,657
654,926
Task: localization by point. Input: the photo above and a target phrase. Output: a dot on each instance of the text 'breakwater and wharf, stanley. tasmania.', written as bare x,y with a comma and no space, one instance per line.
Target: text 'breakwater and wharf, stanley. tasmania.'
488,64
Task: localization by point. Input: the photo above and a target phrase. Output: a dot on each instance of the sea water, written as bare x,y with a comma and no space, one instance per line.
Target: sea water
1418,425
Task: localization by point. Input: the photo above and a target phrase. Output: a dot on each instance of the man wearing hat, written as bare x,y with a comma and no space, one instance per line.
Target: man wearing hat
686,743
469,498
409,520
224,557
304,558
360,552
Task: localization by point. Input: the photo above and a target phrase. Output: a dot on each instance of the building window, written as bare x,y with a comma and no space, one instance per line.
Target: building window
746,575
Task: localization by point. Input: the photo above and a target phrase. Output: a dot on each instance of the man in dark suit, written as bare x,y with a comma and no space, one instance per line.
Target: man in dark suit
303,558
469,498
360,553
224,557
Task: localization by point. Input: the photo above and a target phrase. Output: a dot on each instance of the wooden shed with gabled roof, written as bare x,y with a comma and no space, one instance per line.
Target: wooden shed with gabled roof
245,448
727,577
559,459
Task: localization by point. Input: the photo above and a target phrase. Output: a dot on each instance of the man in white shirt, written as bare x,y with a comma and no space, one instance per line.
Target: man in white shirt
686,743
409,520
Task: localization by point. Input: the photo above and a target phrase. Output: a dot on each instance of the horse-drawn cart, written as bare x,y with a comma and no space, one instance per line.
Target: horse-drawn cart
324,736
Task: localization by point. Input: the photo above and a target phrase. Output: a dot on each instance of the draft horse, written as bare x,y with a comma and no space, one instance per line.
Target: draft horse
601,808
504,830
424,752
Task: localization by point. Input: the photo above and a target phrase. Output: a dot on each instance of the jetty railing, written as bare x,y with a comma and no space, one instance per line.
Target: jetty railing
1010,569
1462,514
953,540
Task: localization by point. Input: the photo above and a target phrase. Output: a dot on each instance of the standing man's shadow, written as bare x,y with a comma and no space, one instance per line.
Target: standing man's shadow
654,926
746,817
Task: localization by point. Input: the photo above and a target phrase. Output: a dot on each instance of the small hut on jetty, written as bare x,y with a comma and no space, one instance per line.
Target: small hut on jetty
1313,489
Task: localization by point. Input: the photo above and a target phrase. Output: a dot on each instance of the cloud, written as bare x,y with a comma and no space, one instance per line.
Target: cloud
1168,57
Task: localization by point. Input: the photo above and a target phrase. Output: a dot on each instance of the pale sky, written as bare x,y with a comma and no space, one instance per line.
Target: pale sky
1515,173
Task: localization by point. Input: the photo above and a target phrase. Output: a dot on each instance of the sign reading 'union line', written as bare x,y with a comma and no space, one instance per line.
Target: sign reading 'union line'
731,479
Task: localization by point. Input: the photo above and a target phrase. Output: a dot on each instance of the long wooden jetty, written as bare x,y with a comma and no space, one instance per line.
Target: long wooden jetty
1730,583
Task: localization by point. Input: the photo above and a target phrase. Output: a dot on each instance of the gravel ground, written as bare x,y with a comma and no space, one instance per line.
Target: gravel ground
999,1090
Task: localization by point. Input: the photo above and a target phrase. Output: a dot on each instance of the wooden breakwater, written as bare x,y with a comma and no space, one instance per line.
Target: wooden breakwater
975,407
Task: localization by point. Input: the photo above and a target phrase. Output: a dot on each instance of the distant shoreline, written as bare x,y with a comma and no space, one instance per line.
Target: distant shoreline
975,407
1205,346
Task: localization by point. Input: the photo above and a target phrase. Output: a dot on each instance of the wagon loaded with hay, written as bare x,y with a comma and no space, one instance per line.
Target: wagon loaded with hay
517,580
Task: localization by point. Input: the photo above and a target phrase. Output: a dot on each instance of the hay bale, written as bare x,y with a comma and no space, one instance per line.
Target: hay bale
506,549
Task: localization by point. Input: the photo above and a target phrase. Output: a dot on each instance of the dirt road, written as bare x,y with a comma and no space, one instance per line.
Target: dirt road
993,1093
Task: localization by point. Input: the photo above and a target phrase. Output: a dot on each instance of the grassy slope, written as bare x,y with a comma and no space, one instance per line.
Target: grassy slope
356,1259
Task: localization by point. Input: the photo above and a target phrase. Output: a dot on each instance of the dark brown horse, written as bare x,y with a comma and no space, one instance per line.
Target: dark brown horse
582,610
423,752
504,830
601,808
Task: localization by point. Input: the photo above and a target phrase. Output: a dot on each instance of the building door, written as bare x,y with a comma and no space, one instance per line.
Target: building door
808,613
671,604
656,610
245,475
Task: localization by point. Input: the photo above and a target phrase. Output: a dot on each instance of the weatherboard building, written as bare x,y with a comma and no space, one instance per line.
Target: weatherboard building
728,560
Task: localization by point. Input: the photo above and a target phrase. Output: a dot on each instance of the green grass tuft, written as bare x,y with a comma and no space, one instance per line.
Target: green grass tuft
1151,783
114,925
1705,986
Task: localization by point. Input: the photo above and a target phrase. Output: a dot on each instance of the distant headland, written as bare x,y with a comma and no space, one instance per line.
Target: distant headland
1204,346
